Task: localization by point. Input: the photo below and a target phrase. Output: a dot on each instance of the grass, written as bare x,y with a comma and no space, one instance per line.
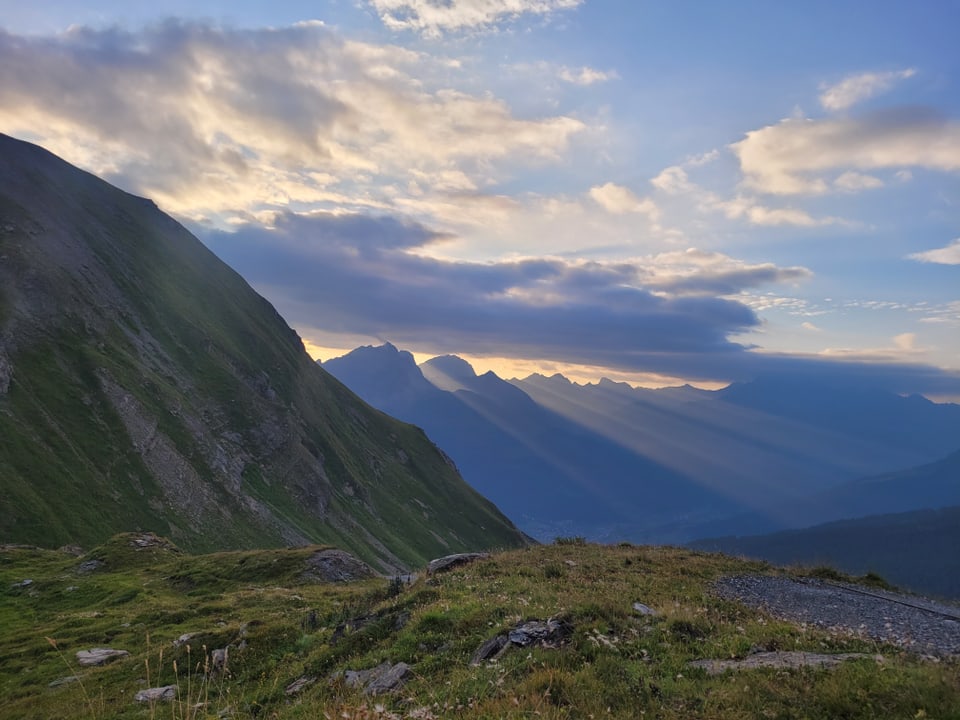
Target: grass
614,663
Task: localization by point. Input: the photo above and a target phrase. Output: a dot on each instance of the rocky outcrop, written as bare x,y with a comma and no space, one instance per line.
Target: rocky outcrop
382,679
332,565
787,659
166,693
448,562
551,633
99,656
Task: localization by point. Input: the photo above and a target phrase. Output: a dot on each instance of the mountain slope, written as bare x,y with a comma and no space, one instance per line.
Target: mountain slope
145,385
550,475
914,550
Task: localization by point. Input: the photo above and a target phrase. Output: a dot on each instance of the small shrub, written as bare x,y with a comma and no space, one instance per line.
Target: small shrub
576,540
553,571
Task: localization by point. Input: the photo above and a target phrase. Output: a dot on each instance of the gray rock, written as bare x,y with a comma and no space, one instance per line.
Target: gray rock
90,566
451,561
382,679
184,639
165,693
391,679
491,648
786,659
218,660
334,565
63,681
99,656
644,609
299,684
544,634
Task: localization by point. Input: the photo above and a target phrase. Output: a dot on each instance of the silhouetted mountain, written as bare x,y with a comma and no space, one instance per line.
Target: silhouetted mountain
914,550
145,386
550,475
611,461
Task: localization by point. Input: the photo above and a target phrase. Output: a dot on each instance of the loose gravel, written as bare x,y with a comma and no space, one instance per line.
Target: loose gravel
915,624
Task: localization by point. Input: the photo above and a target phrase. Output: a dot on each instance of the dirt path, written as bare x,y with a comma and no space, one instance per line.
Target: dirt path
910,622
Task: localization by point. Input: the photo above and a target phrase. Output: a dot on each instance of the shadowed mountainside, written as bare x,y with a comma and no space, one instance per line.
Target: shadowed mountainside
145,386
611,462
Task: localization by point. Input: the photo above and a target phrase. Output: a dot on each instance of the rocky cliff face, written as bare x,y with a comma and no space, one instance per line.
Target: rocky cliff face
144,385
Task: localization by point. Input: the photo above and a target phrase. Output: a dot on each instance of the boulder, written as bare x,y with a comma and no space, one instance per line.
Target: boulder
783,659
99,656
165,693
299,684
333,565
382,679
448,562
639,607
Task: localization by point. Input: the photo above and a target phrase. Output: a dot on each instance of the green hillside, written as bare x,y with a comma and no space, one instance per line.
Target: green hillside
291,640
145,386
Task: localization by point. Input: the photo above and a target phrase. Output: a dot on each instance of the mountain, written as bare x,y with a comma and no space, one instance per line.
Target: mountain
549,474
613,462
145,385
914,550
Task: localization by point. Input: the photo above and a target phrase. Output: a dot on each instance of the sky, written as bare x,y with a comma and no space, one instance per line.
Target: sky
653,191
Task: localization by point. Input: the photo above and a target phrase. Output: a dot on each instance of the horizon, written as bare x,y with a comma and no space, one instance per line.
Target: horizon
641,192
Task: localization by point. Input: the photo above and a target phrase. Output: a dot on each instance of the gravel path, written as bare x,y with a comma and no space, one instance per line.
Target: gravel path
913,623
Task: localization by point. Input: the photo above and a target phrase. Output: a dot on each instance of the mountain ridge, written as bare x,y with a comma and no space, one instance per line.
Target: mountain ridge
146,385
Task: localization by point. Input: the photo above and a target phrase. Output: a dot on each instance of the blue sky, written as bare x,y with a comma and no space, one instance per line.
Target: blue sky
651,191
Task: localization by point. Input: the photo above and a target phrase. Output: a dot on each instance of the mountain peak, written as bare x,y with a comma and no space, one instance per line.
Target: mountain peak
449,372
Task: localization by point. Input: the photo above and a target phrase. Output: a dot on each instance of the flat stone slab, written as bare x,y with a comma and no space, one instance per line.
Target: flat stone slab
448,562
166,693
99,656
780,659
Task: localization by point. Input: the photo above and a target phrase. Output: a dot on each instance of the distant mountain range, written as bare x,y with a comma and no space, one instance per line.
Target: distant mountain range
610,461
145,386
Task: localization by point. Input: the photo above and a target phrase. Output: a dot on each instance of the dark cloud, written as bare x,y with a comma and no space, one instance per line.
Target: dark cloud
355,275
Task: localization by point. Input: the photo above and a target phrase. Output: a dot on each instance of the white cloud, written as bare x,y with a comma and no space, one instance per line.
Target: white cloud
585,75
619,200
432,18
852,181
792,156
673,181
811,327
208,120
949,255
756,214
857,88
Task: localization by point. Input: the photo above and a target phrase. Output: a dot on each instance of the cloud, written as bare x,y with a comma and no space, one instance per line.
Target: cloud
857,88
363,275
585,75
211,120
619,200
792,156
949,255
851,181
811,327
433,18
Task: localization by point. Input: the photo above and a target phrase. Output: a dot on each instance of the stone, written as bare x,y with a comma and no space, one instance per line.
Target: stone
165,693
544,634
99,656
63,681
90,566
184,639
492,648
299,684
644,609
218,660
334,565
391,679
447,562
382,679
780,659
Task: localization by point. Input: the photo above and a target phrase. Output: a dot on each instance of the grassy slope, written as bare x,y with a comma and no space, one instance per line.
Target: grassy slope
137,299
615,662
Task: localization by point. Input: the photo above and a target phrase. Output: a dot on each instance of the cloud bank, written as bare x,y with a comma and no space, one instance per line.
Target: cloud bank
362,275
432,18
211,120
